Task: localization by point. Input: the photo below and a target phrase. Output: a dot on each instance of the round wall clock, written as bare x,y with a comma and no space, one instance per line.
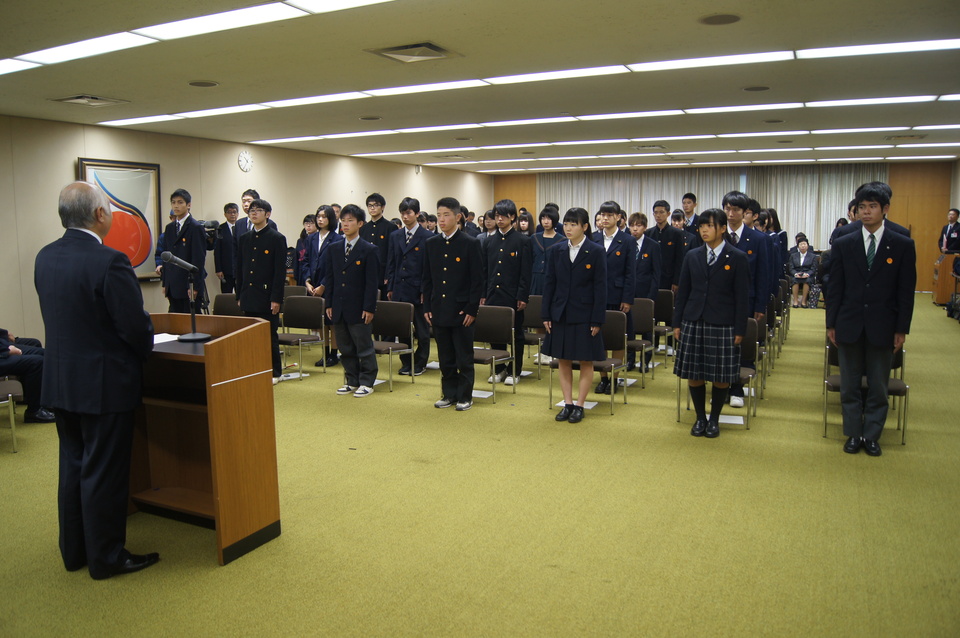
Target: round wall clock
245,161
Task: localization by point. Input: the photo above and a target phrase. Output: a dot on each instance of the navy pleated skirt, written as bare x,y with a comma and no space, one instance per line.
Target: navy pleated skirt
574,343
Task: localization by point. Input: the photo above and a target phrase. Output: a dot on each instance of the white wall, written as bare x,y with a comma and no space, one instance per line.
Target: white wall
39,157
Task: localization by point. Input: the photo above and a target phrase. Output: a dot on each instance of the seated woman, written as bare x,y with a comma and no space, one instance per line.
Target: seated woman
802,269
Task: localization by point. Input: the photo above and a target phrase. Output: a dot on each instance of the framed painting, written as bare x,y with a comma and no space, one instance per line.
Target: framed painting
134,192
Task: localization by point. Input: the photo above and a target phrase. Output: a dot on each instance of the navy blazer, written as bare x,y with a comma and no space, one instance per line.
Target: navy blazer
621,267
755,244
953,237
352,285
671,253
97,333
717,294
858,225
572,293
314,263
405,264
647,282
453,278
224,249
878,301
189,245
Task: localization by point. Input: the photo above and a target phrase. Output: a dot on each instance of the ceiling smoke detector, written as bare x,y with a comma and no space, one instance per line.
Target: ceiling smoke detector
419,52
89,100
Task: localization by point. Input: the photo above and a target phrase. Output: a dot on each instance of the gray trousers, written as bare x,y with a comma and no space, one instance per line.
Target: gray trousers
864,415
359,361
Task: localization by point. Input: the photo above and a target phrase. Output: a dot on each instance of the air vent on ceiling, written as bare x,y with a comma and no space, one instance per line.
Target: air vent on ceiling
648,147
89,100
453,157
419,52
904,138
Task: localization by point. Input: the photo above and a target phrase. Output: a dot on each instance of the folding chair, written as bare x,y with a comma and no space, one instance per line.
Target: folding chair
10,392
302,313
663,319
393,319
494,324
533,321
226,304
643,311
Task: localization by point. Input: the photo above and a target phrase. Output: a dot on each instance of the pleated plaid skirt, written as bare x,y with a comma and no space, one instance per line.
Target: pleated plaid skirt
707,352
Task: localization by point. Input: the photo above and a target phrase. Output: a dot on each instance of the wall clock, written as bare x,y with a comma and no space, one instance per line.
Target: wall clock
245,161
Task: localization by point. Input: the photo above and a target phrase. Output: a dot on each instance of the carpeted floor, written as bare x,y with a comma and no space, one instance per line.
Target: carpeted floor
403,520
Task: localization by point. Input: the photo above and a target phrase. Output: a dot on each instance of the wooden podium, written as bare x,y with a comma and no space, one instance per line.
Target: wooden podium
205,445
944,282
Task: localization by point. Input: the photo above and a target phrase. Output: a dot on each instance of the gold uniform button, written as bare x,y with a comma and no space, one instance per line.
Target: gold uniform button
443,296
444,269
444,282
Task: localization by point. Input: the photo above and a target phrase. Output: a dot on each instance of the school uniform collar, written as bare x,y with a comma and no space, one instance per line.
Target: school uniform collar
451,236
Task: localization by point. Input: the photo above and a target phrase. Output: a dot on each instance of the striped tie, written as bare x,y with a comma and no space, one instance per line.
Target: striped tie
346,253
711,258
871,251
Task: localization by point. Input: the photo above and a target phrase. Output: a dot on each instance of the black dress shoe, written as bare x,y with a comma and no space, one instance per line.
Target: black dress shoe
603,387
853,445
576,415
405,371
332,361
872,448
698,428
564,414
713,429
40,415
132,563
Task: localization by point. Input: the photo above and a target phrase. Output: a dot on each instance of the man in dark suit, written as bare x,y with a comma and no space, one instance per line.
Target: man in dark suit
377,231
225,247
870,296
950,235
453,282
405,256
620,249
98,336
508,268
671,246
186,239
351,288
20,357
469,226
261,274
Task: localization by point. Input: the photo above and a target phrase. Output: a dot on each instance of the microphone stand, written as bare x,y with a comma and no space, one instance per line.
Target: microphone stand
193,335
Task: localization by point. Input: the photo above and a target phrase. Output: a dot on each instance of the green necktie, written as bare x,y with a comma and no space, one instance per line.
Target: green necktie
871,251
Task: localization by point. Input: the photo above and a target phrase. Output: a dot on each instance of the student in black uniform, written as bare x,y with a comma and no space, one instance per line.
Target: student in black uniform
377,232
452,285
508,266
710,319
262,273
574,308
184,237
647,282
405,278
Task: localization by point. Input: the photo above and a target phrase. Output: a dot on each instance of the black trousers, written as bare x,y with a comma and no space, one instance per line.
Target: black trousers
94,487
357,356
455,352
274,339
29,367
422,331
226,284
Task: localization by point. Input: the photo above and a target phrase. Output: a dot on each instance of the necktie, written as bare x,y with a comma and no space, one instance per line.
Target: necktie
712,257
409,236
346,253
871,251
945,235
178,227
734,239
230,230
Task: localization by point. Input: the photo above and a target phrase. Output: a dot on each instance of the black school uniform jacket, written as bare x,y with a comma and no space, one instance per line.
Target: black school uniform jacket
261,270
508,266
453,278
621,267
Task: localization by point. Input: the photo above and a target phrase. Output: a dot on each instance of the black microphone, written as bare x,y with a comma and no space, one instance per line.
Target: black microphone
168,257
211,224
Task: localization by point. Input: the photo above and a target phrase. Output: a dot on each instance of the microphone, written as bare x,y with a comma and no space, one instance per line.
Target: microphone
168,257
211,224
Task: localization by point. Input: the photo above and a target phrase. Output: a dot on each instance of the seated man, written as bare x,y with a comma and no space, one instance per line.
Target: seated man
26,362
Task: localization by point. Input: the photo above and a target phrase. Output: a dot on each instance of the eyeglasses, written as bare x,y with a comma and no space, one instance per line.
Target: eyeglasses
257,210
374,205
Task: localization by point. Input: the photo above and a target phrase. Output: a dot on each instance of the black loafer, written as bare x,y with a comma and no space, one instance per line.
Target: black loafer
698,428
713,430
872,448
132,563
853,445
332,361
603,387
564,414
576,415
40,415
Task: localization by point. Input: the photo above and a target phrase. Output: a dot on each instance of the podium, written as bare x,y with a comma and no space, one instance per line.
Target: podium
205,445
944,282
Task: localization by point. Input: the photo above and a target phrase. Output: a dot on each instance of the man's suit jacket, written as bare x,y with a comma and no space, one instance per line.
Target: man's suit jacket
647,281
262,270
97,333
857,226
508,267
717,294
315,263
453,278
754,244
671,253
953,237
621,266
471,229
574,292
808,267
405,264
878,301
224,250
190,244
353,284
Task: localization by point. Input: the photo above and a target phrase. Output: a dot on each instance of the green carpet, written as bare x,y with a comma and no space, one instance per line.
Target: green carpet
403,520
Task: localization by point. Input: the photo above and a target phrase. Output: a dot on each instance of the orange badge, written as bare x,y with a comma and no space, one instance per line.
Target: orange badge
618,253
416,248
749,252
458,259
266,252
645,255
889,260
727,267
358,262
669,243
513,254
588,266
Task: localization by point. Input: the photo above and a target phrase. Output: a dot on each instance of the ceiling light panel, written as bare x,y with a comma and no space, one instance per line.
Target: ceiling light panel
12,66
340,136
622,140
722,60
428,129
880,129
141,120
558,75
87,48
876,49
425,88
773,150
236,19
226,110
539,120
763,134
288,140
316,99
910,99
624,116
850,159
937,127
923,157
745,107
328,6
851,148
670,139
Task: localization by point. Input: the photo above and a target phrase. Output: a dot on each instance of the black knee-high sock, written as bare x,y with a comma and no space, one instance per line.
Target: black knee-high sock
718,396
699,395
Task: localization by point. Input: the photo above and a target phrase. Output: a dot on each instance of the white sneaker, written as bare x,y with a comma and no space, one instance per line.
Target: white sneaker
736,402
669,352
545,360
277,380
463,406
444,403
347,389
510,380
363,391
497,377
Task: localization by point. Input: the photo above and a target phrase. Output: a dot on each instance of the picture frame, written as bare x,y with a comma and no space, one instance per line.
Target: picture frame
134,192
